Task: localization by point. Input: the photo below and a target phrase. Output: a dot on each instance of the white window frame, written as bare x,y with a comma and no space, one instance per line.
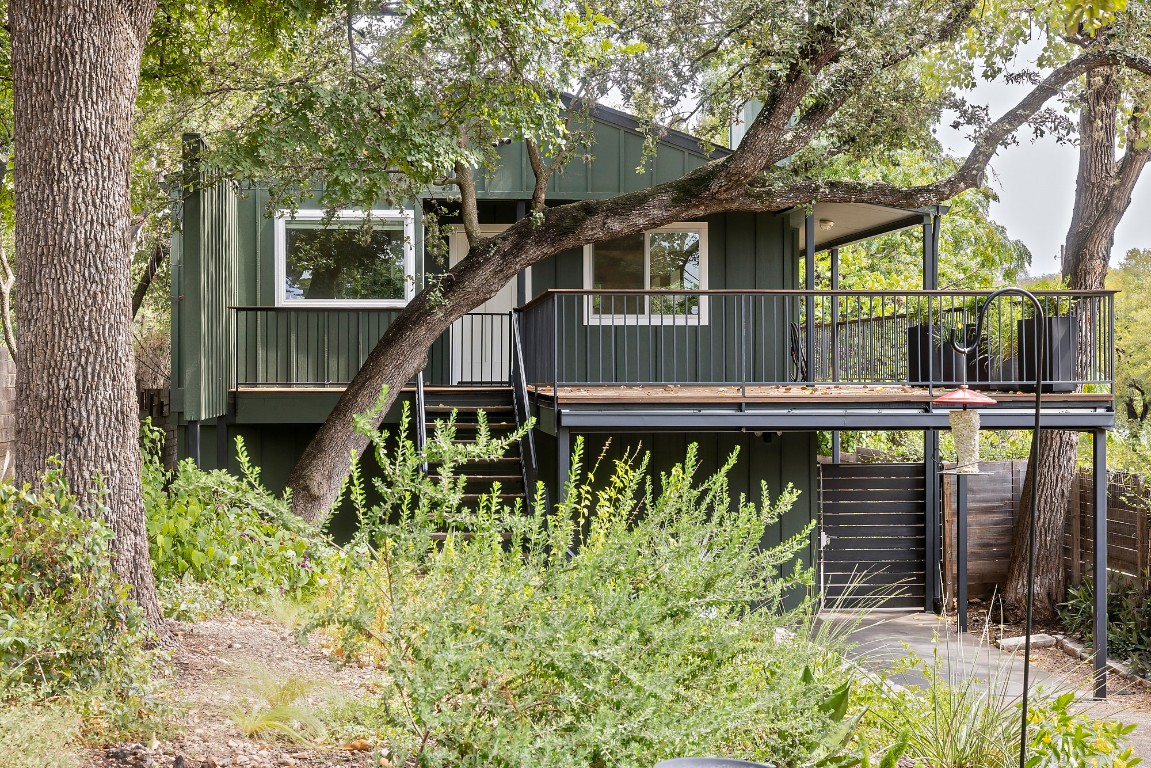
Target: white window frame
592,317
311,215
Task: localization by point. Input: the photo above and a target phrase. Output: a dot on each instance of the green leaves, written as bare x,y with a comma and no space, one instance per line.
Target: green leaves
1059,737
640,619
417,92
229,535
67,626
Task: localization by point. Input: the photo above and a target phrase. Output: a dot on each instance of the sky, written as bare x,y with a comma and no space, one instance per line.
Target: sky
1035,181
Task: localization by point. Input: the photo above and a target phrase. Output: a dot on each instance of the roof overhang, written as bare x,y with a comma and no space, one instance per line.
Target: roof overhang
853,222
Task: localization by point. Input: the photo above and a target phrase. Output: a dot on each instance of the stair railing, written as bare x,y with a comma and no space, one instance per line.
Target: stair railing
421,419
521,408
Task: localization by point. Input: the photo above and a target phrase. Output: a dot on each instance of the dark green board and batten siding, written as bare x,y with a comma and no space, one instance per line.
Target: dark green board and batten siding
782,460
617,166
745,251
206,260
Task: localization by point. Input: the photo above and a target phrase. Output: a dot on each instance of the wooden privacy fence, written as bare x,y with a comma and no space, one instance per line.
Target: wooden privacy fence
991,501
1127,538
993,498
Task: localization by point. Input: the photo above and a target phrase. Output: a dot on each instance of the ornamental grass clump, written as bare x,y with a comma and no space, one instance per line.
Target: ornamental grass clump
637,620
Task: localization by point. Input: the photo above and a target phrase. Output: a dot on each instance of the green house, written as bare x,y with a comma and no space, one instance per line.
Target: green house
709,332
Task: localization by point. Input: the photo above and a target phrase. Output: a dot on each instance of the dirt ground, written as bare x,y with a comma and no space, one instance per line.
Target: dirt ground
209,660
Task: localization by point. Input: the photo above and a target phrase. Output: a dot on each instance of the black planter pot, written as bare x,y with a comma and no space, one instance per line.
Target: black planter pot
1062,351
929,360
990,372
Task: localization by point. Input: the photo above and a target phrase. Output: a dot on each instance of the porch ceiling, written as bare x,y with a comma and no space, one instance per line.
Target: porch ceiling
852,222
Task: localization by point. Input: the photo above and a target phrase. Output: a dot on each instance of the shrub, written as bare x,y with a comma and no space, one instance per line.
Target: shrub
625,625
957,720
1059,737
960,720
38,737
1128,619
67,625
218,540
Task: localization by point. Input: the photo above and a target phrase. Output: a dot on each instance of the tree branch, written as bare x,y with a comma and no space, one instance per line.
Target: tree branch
835,94
469,211
541,172
151,269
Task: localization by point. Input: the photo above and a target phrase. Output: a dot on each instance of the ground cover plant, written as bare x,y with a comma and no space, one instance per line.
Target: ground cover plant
223,541
1128,619
69,632
956,717
636,620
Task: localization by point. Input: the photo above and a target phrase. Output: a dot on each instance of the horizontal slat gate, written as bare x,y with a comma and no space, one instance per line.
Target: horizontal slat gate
874,535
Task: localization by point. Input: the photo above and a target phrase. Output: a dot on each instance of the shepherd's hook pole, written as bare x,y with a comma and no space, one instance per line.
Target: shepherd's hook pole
1041,353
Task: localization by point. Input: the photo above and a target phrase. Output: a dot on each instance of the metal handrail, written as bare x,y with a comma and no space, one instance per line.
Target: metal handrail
421,419
520,396
733,338
847,292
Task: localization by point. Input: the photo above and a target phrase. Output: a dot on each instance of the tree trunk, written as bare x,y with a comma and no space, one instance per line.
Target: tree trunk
1102,195
75,66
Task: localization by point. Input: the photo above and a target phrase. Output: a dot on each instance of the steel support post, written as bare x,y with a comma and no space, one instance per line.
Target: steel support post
930,255
961,549
836,446
1099,565
932,599
809,284
563,462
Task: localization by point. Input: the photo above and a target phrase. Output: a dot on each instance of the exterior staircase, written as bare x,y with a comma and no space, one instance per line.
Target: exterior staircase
498,405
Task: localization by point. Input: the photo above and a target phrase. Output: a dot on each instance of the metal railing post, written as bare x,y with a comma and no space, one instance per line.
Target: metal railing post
555,351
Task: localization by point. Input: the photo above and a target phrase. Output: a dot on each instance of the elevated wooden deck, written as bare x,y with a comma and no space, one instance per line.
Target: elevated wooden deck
680,407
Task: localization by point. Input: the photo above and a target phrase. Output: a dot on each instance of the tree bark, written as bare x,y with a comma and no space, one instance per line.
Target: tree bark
1103,191
75,66
151,269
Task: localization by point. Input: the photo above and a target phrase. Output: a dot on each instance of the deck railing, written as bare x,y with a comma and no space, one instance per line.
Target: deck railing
724,338
316,347
743,338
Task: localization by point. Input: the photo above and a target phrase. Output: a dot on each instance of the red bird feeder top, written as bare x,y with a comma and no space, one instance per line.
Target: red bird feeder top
967,398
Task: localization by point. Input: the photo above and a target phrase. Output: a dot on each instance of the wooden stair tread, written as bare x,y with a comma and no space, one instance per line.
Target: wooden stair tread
442,536
468,408
475,496
476,425
489,478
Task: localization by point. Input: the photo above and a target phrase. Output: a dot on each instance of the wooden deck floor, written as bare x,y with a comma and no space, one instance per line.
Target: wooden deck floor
797,394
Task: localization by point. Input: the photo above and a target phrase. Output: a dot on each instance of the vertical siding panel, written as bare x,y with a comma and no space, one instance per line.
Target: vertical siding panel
669,164
632,157
604,177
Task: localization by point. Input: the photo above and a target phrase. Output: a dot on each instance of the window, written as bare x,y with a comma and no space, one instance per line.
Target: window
340,263
672,258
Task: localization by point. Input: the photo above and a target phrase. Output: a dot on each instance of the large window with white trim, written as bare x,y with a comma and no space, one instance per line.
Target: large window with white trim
342,261
671,258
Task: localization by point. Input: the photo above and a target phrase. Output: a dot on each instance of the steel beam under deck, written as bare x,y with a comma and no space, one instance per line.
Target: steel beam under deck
801,420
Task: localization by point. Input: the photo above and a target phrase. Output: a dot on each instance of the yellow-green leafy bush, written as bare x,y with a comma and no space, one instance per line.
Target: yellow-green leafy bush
222,541
638,620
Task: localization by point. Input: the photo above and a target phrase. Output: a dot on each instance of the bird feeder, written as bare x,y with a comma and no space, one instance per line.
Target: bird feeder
964,421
